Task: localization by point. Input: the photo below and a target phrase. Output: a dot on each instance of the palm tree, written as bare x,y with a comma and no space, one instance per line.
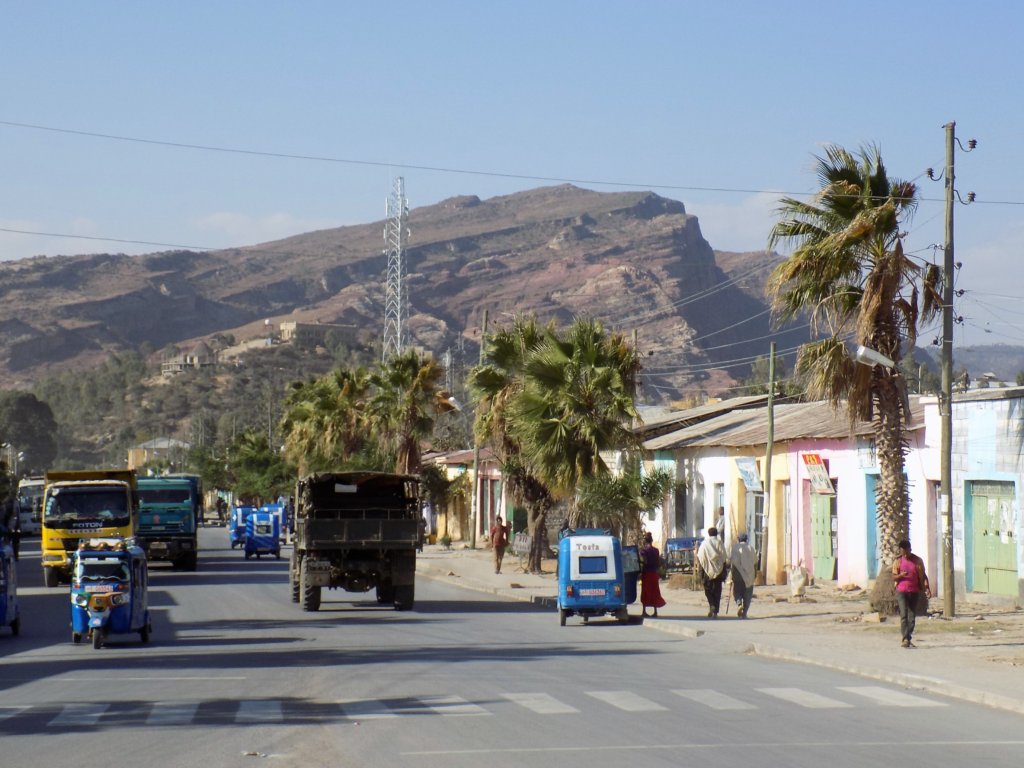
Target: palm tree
403,404
849,271
619,502
325,424
497,383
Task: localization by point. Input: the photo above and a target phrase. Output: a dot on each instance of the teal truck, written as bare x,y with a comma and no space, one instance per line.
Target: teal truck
167,521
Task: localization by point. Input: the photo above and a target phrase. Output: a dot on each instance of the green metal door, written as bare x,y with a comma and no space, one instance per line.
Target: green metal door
994,550
824,536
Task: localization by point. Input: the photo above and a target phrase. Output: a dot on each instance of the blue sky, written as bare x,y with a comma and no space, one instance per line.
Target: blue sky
682,98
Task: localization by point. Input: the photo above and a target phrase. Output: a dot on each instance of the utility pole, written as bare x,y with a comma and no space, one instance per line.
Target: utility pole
474,509
946,479
766,499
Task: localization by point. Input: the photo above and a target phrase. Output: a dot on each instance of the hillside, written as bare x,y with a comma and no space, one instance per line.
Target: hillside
636,260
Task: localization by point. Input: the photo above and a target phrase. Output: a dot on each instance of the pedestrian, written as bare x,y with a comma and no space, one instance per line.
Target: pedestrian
911,581
650,575
720,523
711,556
499,540
421,533
743,560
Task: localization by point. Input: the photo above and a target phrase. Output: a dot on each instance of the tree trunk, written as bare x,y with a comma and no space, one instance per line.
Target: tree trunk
890,494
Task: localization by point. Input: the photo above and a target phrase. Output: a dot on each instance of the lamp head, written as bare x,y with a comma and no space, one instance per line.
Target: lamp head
869,356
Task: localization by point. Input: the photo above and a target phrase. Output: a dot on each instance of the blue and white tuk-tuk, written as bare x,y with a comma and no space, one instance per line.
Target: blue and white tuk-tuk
10,616
279,511
263,535
108,590
590,576
236,527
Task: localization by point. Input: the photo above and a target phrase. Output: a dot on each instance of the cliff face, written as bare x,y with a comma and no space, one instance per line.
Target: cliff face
632,259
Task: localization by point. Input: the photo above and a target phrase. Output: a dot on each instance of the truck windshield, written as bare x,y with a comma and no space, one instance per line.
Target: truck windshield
165,496
102,569
66,507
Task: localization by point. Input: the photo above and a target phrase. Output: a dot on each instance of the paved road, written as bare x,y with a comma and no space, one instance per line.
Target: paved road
236,673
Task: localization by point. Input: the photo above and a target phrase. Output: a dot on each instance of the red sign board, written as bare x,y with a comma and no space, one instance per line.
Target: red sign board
818,474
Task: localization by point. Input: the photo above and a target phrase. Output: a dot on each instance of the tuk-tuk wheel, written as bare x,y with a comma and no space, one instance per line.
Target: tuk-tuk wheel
144,633
76,638
97,639
561,617
16,625
586,619
248,555
622,615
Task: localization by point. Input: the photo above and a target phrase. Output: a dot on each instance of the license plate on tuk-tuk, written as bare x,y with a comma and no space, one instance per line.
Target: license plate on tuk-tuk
592,592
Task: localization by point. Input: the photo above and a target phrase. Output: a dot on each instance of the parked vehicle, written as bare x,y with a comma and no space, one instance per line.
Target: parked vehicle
84,504
167,529
263,535
591,581
108,591
236,527
30,505
355,531
198,500
10,615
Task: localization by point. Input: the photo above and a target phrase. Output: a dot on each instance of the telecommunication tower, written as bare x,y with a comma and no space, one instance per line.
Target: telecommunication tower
396,293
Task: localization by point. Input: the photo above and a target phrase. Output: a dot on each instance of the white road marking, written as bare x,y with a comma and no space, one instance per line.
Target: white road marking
172,712
805,698
6,712
627,701
259,711
366,709
888,697
79,715
453,705
541,703
712,699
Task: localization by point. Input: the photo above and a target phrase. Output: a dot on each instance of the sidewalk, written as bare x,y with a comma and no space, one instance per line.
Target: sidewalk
978,656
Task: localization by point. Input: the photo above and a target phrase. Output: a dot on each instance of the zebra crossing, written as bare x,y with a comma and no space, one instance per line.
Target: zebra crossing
86,715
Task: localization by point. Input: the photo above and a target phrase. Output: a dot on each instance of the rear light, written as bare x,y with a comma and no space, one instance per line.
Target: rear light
618,590
569,591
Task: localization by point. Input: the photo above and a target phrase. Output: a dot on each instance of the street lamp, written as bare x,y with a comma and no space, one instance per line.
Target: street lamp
868,356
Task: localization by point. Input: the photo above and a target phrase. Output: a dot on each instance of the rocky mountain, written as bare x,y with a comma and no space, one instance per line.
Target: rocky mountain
635,260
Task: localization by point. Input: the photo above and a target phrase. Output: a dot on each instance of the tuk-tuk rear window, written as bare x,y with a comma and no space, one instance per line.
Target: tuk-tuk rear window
593,564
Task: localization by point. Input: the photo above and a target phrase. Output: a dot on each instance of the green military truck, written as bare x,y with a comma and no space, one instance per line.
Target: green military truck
355,531
167,522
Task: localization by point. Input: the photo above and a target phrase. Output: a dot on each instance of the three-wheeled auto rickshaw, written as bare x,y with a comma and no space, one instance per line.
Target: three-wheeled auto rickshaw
236,527
10,616
263,535
108,591
591,581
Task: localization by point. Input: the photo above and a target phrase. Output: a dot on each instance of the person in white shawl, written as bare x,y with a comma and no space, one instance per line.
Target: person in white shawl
713,564
743,560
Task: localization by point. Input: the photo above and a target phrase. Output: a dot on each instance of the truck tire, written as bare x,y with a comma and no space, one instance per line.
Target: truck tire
310,597
192,561
385,594
405,597
50,577
293,576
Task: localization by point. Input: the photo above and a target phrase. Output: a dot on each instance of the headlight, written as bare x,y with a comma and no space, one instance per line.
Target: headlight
79,599
118,598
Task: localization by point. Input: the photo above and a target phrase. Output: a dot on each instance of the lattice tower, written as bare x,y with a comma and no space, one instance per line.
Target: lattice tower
396,292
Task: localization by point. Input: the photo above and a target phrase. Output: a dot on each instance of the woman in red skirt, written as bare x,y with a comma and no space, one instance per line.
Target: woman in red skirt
650,589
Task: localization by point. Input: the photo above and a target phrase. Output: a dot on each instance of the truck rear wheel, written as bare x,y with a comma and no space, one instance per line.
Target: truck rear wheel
50,577
385,594
405,597
310,593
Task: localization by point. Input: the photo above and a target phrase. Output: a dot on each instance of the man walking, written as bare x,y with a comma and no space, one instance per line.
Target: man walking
711,556
743,560
911,581
499,540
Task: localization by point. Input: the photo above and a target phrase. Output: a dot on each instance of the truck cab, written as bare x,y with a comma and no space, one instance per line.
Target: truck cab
167,525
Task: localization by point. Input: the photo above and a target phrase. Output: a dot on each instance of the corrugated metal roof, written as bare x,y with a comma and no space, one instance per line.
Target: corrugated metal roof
793,421
661,422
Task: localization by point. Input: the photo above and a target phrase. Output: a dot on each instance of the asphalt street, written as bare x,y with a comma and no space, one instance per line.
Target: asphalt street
235,674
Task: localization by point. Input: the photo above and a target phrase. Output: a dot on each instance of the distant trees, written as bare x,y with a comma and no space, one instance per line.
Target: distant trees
28,426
